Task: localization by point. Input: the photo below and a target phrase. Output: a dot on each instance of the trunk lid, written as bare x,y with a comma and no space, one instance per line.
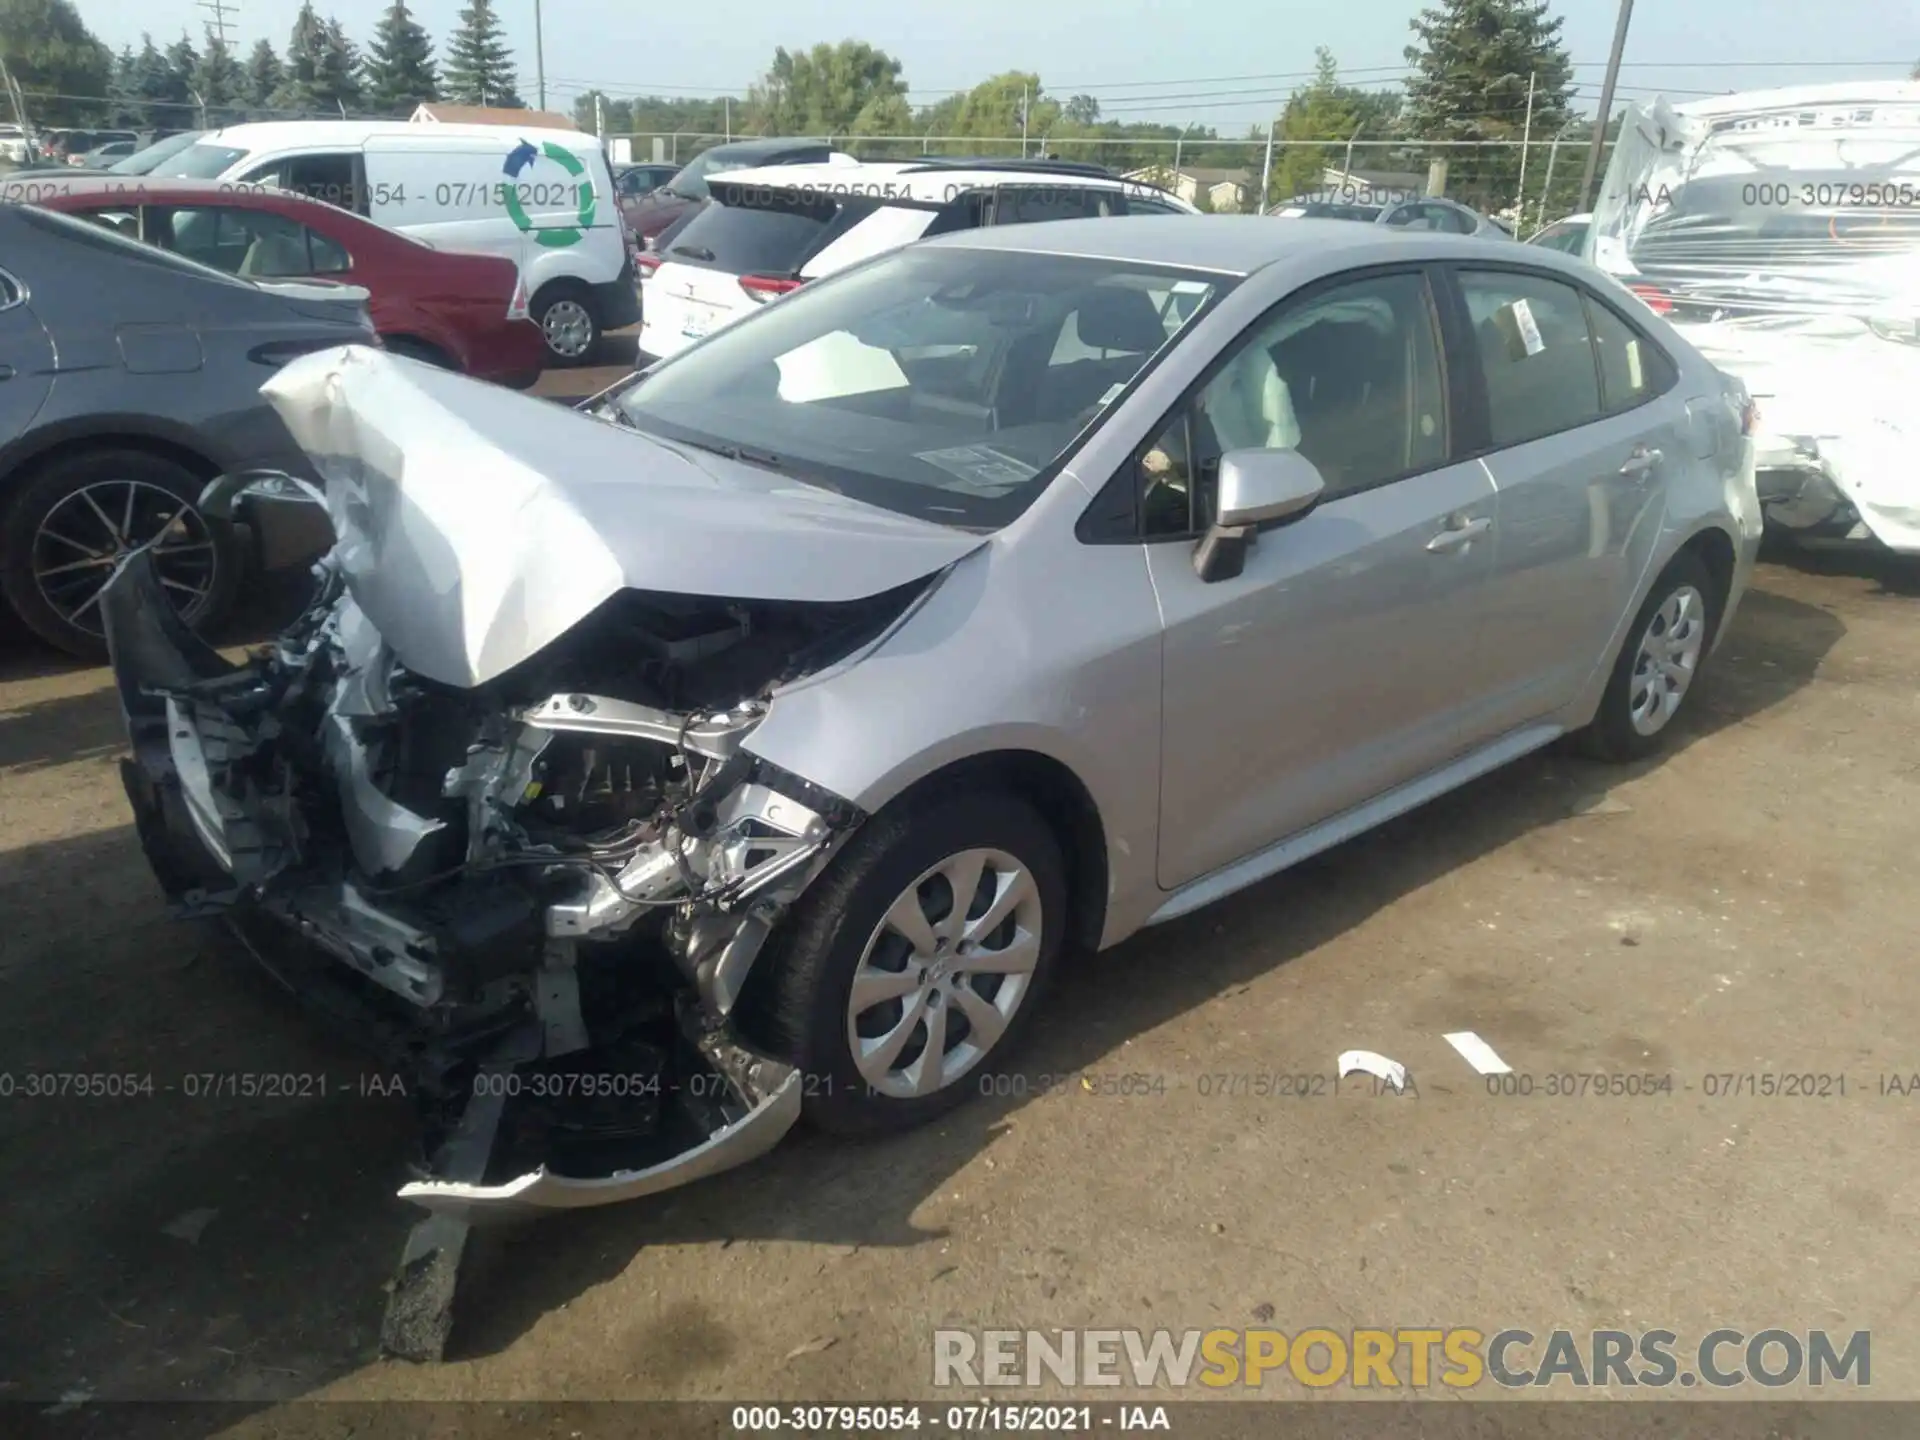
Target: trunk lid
475,527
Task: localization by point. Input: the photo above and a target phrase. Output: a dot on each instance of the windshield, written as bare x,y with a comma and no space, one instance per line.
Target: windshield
939,382
199,161
142,162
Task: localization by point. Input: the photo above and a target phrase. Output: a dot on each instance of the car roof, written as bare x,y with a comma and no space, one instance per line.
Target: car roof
1235,244
286,134
146,190
769,146
922,180
1845,92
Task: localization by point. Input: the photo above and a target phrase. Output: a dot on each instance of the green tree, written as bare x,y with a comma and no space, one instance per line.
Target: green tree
845,89
993,109
123,107
265,75
183,63
55,60
1318,111
1472,64
221,81
400,69
1082,110
479,66
157,90
321,73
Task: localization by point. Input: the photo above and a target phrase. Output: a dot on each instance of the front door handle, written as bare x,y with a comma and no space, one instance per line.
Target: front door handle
1460,532
6,372
1641,462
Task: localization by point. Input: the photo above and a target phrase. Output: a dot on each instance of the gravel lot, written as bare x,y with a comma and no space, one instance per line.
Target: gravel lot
1739,907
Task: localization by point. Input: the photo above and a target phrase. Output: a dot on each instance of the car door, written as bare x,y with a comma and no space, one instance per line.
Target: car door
1332,668
1583,425
26,359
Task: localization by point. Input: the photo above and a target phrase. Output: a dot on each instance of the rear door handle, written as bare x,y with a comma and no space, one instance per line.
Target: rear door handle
1641,462
6,372
1459,532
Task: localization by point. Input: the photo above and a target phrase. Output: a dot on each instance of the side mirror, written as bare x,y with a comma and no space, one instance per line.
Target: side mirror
1258,489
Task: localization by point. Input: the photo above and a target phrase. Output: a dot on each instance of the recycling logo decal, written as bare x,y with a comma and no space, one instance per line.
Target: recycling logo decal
554,237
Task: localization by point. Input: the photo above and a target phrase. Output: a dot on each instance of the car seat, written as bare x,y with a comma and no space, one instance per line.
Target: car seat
273,255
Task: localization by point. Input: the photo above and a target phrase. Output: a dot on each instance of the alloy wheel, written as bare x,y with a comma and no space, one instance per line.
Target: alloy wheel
1669,657
943,973
88,532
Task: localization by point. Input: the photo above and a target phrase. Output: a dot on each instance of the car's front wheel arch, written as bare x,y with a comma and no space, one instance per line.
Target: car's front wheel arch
982,819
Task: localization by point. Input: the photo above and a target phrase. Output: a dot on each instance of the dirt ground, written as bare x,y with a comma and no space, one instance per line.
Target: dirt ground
1739,907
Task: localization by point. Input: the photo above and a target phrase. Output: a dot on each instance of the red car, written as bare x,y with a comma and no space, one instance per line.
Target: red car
462,311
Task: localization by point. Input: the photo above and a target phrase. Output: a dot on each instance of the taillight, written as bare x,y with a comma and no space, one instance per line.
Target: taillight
1750,417
645,263
768,287
1654,298
518,307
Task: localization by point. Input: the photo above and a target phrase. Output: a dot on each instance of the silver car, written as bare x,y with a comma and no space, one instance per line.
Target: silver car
754,744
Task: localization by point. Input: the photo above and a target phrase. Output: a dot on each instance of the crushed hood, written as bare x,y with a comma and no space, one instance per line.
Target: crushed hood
476,526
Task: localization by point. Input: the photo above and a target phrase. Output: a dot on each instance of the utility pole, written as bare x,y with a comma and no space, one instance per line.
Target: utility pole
1266,169
539,56
1024,92
600,116
1346,165
219,9
13,94
1176,151
729,110
1520,194
1606,103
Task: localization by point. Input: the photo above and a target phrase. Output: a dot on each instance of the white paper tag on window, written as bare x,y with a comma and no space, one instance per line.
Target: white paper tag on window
1635,377
1113,391
1529,331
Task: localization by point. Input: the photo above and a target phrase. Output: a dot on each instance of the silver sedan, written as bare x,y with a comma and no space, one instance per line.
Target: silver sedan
774,725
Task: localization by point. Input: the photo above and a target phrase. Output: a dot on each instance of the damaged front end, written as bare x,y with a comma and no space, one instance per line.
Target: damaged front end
541,895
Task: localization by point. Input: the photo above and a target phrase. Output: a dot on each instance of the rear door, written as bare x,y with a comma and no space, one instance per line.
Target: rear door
761,235
1584,425
26,359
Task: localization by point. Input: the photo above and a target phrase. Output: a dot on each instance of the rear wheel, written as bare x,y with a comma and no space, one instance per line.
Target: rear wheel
917,960
72,521
1659,666
564,312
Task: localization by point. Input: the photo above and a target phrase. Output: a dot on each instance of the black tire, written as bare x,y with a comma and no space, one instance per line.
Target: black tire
799,1004
1612,735
579,308
26,555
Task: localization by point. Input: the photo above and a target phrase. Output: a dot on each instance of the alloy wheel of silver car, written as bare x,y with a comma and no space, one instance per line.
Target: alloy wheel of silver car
89,532
1669,657
568,326
944,972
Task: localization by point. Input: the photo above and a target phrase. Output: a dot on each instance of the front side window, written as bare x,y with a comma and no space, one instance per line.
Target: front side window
1349,377
121,219
1564,237
1530,336
944,383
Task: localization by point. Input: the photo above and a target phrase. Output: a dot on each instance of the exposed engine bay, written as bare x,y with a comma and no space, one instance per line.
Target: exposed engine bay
562,876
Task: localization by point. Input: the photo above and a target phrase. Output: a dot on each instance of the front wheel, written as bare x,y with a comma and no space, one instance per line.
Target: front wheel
70,524
918,958
1659,666
564,312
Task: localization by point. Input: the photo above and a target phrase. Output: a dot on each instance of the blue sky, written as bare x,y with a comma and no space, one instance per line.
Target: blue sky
1144,59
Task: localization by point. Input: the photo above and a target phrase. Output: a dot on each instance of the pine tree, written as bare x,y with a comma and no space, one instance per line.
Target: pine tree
400,69
322,72
123,91
479,67
264,74
1471,70
220,81
159,92
183,63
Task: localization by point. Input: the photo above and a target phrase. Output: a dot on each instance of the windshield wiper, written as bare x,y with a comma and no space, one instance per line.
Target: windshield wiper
694,252
766,459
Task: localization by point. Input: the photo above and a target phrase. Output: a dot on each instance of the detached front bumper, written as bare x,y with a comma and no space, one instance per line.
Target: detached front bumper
656,1095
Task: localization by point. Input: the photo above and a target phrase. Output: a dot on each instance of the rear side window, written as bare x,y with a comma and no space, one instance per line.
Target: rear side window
200,162
1033,204
1143,205
1535,354
761,234
1632,369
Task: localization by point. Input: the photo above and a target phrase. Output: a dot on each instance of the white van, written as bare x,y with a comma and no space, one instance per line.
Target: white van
545,198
